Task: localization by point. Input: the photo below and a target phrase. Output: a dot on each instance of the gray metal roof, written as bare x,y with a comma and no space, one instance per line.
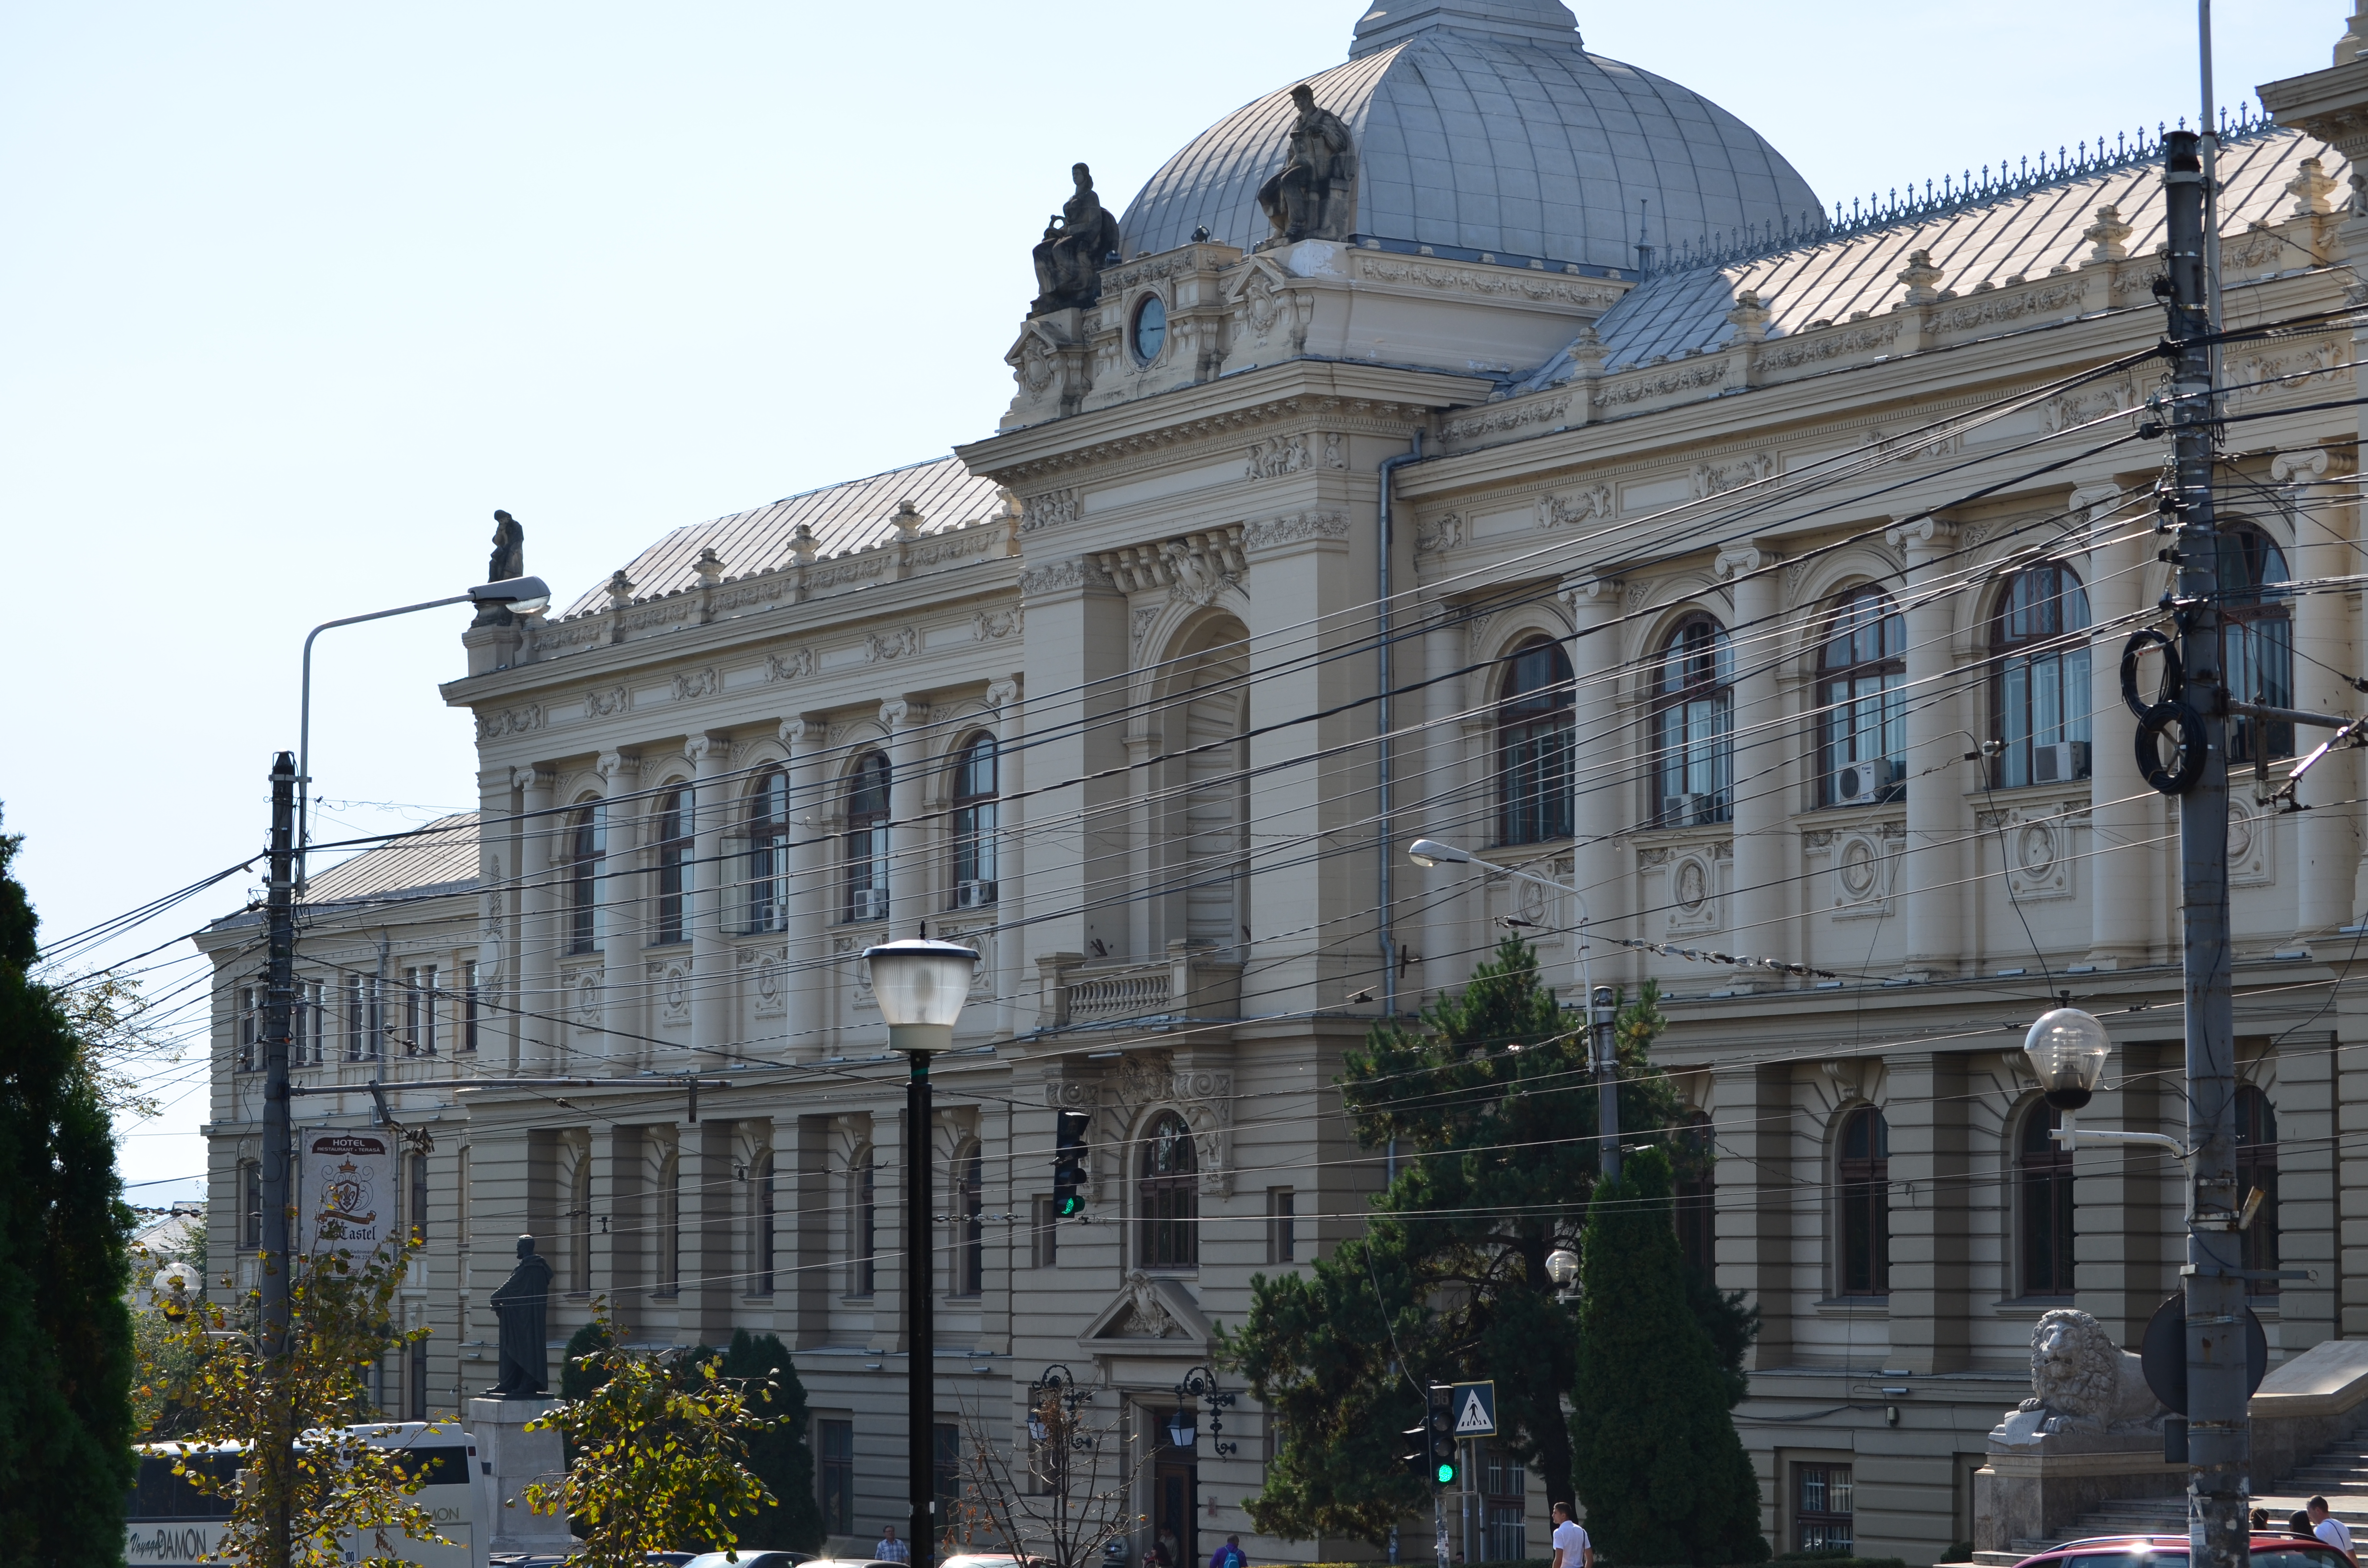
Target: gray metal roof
1474,133
846,517
2021,236
437,858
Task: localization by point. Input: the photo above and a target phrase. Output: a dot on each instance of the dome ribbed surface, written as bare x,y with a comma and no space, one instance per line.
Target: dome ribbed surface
1480,143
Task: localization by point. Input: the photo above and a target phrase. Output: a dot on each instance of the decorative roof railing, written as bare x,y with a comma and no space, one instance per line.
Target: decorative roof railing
1955,193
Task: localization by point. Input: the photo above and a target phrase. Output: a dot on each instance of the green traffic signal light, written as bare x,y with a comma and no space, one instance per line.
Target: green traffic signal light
1447,1475
1068,1205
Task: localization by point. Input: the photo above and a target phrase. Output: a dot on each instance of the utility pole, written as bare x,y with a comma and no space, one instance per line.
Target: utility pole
2219,1434
277,1456
1607,1085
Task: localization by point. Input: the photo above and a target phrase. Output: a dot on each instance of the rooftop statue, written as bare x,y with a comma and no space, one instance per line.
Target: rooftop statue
523,1305
508,561
1069,261
1313,197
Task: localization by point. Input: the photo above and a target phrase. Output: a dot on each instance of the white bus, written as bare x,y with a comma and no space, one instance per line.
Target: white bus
172,1524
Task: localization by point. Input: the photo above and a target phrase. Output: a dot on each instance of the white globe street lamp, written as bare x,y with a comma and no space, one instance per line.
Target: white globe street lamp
921,986
2067,1050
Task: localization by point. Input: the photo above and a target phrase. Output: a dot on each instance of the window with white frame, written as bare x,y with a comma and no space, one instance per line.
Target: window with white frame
1693,726
1533,745
419,1010
769,852
2040,693
866,844
974,824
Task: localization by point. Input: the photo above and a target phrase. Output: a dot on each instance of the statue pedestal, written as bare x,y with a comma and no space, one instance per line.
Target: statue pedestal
2034,1484
512,1458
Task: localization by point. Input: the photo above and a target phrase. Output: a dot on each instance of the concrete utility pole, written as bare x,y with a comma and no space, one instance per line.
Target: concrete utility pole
1606,1080
279,1143
2219,1433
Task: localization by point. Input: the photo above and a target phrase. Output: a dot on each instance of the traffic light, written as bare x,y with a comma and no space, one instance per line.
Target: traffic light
1439,1427
1069,1161
1417,1455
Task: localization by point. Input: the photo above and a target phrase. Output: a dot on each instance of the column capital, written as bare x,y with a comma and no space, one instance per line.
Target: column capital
1003,693
1078,574
2298,468
803,733
1740,560
1919,532
536,778
1598,595
613,765
896,714
2087,498
715,746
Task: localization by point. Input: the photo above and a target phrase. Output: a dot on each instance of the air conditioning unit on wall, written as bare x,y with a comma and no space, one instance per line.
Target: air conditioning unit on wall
1864,783
973,895
1684,811
868,903
2062,762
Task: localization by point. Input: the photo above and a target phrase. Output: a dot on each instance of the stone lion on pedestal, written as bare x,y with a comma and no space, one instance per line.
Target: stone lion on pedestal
2082,1382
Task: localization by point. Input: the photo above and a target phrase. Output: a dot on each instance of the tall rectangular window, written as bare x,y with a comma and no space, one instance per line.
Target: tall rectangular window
357,1019
415,1355
418,1216
674,868
419,1011
1822,1517
1282,1228
763,1284
311,1036
834,1474
1504,1488
250,1227
946,1471
250,1027
469,1006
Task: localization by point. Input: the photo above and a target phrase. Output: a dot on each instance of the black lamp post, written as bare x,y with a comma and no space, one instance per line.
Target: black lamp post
920,986
1201,1384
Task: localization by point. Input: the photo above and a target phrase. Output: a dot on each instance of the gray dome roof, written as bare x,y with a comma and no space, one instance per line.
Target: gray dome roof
1483,125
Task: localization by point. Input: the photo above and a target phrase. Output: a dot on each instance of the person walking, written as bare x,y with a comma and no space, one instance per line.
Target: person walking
1571,1547
890,1550
2327,1527
1230,1555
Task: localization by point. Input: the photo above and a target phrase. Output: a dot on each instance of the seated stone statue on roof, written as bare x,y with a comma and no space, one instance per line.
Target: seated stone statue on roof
1069,261
1314,196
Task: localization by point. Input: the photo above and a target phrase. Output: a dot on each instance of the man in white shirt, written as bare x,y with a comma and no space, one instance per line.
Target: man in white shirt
890,1549
2327,1527
1571,1547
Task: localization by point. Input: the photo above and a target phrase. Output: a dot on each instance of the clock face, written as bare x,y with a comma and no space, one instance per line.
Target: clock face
1150,330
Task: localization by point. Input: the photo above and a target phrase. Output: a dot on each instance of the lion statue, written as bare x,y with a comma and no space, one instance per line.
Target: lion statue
2083,1381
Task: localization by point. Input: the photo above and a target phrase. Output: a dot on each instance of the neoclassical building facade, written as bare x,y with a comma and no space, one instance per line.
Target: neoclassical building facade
1761,575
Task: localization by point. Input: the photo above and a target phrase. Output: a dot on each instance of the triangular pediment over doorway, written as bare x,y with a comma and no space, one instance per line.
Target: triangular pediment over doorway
1147,1310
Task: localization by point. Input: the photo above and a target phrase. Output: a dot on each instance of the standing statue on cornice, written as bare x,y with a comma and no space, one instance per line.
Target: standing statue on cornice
508,561
1315,196
1069,261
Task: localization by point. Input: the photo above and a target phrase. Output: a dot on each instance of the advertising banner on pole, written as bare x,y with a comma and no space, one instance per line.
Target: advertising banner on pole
344,1191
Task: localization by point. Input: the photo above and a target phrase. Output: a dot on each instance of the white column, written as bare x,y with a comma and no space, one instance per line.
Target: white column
909,838
2327,844
1932,870
812,989
1010,855
1601,785
2119,872
620,900
707,904
1444,814
540,1011
1764,902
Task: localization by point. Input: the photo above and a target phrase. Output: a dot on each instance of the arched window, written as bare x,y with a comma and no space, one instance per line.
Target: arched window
1863,1174
2042,1183
974,785
674,866
588,846
250,1205
864,1224
2040,693
2257,1170
670,1225
867,839
1697,1190
762,1252
1170,1197
2257,637
769,852
1533,739
1861,690
579,1228
970,1193
1693,730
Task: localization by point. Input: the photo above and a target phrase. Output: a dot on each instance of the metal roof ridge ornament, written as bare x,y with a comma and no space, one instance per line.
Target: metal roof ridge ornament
1956,193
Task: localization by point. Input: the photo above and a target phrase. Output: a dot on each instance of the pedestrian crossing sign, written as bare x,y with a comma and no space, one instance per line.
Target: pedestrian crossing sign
1476,1409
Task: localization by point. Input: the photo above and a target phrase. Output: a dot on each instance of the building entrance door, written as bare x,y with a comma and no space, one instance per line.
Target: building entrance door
1174,1483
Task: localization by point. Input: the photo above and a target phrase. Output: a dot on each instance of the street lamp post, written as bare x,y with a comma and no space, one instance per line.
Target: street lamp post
1602,1012
920,986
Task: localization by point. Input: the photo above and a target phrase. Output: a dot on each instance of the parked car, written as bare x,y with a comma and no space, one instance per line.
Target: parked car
748,1557
2271,1549
989,1560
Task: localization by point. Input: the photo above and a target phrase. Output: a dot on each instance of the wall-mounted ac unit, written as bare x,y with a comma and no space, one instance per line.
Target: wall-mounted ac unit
1685,811
2061,763
1863,783
973,895
868,903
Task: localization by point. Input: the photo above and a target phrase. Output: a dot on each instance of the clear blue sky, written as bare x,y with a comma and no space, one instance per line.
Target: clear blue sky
296,295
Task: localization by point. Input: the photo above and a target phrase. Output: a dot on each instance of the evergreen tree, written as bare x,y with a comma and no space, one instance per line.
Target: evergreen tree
66,1463
1492,1104
1656,1454
781,1456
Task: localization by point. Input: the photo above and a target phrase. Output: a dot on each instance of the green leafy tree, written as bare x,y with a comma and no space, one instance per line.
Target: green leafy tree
66,1464
1492,1104
657,1461
341,1491
782,1455
1659,1466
